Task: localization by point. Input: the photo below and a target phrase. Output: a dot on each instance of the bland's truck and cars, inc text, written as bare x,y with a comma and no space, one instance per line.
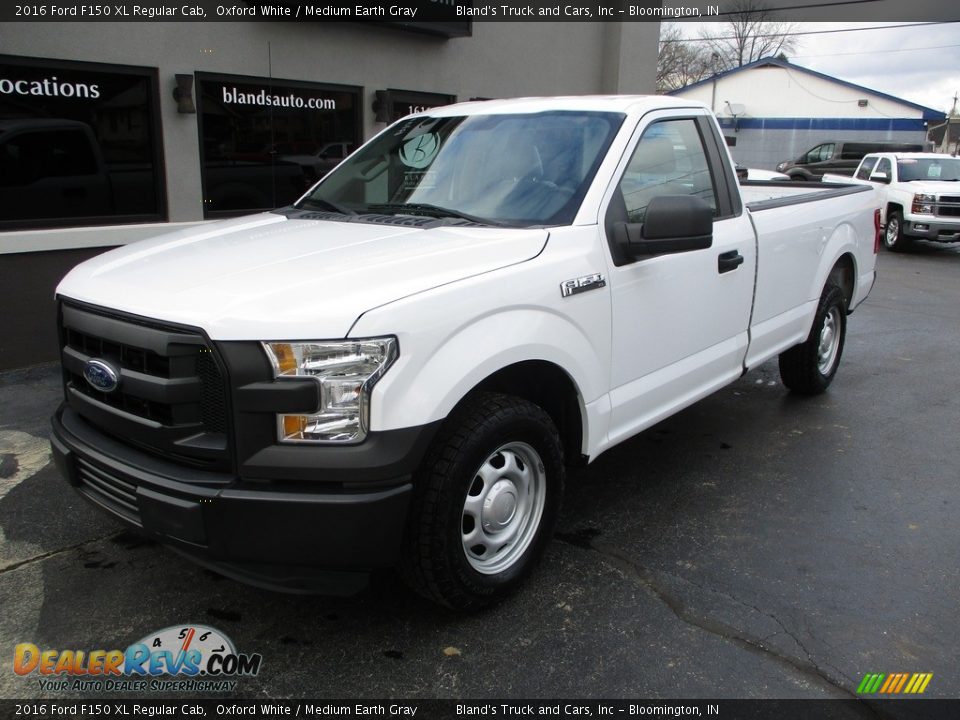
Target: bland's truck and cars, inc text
396,370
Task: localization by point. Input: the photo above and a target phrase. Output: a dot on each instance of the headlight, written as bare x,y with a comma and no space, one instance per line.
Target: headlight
346,371
923,204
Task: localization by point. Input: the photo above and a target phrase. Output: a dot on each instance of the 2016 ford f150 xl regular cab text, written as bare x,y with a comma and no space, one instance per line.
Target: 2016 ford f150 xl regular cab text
396,369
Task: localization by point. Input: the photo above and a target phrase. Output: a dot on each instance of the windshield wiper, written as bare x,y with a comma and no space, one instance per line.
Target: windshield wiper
430,211
325,205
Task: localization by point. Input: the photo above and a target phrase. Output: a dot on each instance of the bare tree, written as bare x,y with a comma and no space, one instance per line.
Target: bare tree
751,33
680,62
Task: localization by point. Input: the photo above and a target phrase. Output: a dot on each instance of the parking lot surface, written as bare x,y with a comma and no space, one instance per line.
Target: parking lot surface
756,545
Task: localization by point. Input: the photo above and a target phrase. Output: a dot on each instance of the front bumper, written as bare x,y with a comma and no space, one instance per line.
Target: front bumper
292,537
933,230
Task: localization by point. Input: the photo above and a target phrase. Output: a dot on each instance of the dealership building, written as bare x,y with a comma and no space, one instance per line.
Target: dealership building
772,110
114,132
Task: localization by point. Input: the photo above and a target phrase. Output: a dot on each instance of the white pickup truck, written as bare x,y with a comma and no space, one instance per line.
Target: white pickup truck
396,369
919,196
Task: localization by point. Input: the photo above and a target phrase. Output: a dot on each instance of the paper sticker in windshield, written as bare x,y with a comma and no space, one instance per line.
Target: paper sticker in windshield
933,171
419,152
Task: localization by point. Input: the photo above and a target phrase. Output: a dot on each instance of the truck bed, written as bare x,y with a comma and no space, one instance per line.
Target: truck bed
761,195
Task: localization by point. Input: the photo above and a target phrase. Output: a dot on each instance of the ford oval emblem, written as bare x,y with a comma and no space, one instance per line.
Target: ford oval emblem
101,376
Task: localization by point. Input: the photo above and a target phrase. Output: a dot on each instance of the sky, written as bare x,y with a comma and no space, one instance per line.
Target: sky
919,64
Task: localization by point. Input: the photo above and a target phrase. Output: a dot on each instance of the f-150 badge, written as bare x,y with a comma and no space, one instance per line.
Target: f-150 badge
582,284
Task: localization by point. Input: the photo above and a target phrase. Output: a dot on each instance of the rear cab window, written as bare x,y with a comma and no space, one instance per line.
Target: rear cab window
866,167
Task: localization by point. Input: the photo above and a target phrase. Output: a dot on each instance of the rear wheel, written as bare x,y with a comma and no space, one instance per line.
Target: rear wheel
808,368
485,502
893,237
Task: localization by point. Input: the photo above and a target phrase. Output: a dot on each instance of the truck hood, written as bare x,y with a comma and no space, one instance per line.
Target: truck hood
932,187
268,277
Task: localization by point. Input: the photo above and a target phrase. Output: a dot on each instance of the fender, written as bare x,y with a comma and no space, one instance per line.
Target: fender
454,336
843,241
427,382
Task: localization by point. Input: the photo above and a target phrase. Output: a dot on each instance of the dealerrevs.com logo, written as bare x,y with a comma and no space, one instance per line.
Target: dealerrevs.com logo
188,658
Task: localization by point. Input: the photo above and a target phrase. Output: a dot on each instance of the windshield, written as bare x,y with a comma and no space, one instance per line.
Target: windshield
929,169
518,170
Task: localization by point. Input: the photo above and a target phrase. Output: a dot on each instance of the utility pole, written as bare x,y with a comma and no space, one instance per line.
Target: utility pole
714,59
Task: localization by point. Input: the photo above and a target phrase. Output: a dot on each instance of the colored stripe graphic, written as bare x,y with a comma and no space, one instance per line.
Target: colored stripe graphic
866,685
894,684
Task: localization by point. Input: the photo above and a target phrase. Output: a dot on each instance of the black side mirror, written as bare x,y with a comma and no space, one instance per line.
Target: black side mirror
881,177
673,223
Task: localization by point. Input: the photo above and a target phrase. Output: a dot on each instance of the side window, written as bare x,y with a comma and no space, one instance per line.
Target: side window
669,160
866,167
825,152
818,154
883,167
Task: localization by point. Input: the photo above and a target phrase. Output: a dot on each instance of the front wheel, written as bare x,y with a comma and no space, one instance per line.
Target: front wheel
485,502
808,368
893,237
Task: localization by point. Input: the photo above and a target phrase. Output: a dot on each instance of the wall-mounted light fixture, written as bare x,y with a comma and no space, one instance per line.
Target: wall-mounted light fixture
862,102
183,94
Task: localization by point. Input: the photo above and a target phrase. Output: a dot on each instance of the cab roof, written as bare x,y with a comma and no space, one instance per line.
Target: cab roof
596,103
912,155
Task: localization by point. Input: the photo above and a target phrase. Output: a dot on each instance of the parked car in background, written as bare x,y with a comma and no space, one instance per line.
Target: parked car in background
838,157
919,193
317,162
744,173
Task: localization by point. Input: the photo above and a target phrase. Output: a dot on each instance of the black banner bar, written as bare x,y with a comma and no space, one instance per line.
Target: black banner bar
904,709
453,17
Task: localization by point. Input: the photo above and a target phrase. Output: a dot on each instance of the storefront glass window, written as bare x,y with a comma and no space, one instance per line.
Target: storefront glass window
264,142
78,144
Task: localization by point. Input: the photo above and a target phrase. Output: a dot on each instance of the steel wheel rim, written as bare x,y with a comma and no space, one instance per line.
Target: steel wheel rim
829,344
503,508
893,229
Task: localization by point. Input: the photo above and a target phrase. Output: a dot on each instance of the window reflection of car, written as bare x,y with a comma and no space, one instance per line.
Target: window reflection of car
52,168
246,176
238,186
318,162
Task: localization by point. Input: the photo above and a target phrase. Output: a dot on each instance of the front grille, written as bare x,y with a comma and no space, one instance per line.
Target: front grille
948,206
106,489
213,399
172,397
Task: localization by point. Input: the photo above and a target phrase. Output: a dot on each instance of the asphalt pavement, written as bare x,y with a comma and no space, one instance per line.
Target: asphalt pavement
756,545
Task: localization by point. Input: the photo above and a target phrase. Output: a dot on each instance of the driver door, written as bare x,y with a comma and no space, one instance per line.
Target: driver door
679,320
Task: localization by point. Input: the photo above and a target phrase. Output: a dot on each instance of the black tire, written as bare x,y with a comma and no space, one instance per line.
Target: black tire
459,476
893,237
808,368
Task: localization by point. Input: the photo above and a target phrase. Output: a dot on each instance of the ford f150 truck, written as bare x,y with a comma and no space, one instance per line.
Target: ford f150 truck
919,196
396,370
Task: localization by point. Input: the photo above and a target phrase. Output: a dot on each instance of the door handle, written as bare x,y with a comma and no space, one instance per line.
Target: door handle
729,261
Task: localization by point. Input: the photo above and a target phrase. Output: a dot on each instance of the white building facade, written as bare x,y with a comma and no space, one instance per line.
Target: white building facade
774,110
